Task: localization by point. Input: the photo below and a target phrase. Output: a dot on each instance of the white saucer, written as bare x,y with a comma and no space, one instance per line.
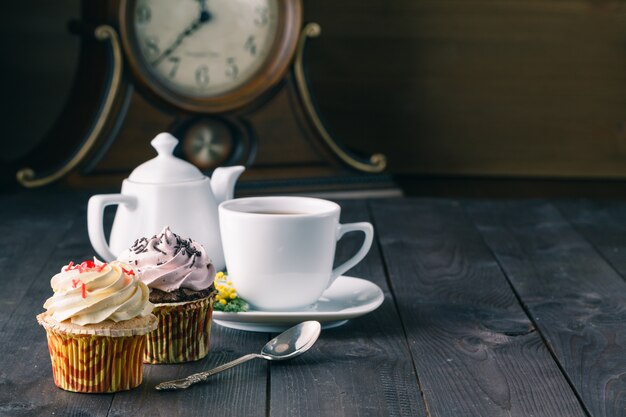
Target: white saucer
347,298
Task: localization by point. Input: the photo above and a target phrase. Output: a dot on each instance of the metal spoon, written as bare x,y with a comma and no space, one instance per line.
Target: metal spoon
287,345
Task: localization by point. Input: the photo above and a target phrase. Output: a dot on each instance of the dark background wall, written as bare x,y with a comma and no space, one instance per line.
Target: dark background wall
39,57
465,88
477,87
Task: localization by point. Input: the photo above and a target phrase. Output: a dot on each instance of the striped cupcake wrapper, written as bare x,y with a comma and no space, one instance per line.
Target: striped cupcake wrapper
183,333
96,364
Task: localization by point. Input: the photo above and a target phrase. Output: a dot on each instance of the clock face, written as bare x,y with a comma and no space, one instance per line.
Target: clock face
204,48
209,56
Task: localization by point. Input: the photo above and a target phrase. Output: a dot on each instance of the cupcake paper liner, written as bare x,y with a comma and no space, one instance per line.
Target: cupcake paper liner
93,363
183,333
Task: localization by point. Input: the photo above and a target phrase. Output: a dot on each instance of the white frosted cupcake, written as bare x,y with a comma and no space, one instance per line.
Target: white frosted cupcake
96,323
180,276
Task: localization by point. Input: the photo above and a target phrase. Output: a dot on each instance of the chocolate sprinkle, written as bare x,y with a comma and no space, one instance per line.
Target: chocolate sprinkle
181,246
185,246
140,246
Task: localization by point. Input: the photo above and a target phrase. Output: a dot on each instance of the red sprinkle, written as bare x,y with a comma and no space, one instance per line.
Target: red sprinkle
83,287
84,266
127,272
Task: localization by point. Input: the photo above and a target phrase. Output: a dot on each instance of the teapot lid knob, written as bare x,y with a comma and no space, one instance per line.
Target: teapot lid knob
166,168
164,143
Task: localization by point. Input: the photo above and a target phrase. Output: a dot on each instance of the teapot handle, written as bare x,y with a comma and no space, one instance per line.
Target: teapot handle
95,212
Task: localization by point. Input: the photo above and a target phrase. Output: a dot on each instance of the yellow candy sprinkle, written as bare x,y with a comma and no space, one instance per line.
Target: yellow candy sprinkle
225,289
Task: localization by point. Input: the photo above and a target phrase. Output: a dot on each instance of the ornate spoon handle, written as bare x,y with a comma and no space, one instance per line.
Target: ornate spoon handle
203,376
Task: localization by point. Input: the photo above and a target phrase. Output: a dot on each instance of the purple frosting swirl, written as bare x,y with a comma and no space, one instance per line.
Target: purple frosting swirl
168,262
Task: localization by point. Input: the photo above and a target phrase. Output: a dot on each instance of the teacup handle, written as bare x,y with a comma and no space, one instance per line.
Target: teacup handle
95,212
342,229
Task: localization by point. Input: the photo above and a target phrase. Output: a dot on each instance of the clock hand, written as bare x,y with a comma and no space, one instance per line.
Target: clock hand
202,6
204,17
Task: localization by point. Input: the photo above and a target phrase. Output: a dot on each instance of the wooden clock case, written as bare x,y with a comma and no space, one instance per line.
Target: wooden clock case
111,116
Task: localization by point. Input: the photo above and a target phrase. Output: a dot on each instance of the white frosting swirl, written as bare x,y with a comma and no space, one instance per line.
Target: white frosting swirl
168,262
94,291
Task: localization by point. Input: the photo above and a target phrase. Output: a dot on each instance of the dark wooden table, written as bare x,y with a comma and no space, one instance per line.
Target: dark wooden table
492,308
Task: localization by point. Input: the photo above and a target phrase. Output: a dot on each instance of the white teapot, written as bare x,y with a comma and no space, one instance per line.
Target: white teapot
164,191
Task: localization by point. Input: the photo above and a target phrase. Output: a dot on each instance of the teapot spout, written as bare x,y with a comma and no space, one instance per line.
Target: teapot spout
223,182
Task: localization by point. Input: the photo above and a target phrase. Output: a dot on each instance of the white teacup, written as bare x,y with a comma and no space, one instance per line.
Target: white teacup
280,250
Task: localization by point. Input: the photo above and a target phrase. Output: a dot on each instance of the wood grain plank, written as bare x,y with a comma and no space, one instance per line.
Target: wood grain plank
240,391
603,223
26,384
574,296
475,350
30,228
362,368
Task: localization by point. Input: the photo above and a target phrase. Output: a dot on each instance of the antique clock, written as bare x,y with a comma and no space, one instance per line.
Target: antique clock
227,77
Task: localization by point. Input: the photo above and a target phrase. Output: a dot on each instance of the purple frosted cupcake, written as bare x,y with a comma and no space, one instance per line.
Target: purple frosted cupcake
180,277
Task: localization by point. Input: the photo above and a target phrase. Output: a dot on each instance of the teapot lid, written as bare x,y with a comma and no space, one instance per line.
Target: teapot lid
165,168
